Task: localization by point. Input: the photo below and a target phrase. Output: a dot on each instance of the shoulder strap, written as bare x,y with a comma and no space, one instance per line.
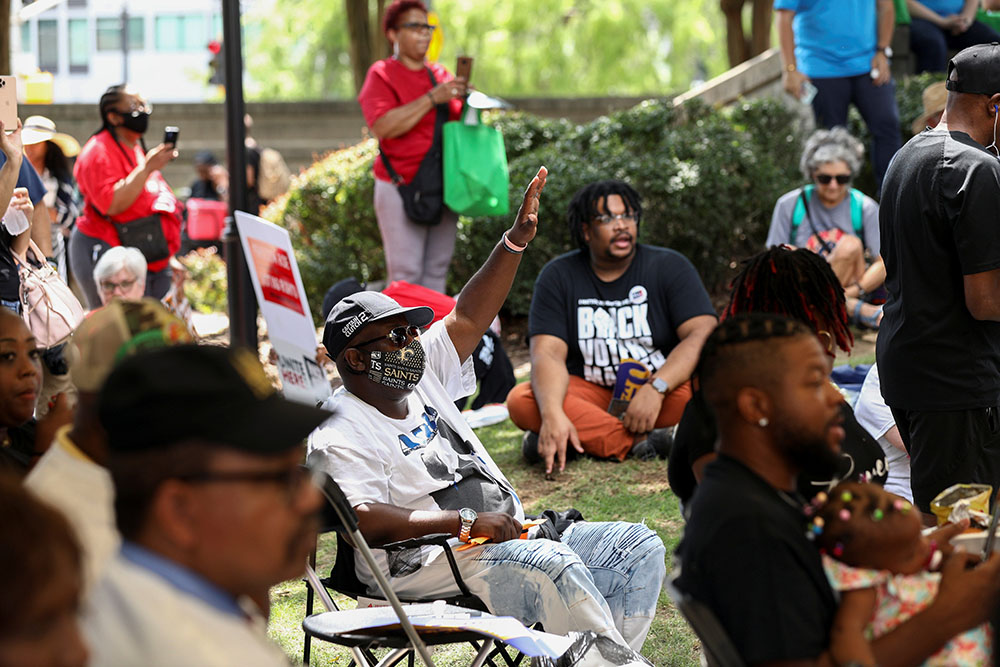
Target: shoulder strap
439,120
857,215
800,211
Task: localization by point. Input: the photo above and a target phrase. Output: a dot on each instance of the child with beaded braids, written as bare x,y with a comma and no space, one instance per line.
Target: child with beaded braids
886,571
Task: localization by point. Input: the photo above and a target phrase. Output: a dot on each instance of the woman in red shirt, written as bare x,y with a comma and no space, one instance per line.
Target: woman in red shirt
400,104
121,184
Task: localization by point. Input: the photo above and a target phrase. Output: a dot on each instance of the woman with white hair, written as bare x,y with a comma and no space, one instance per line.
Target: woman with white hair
121,273
834,220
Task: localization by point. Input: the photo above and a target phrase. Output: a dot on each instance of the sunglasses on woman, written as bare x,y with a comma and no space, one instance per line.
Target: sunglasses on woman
842,179
399,336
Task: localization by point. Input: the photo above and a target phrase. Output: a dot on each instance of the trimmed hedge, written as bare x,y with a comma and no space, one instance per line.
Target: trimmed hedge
708,177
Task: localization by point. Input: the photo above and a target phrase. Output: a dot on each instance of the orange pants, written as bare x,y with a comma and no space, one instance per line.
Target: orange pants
586,405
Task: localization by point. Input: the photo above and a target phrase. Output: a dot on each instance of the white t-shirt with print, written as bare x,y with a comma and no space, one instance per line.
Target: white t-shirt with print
429,460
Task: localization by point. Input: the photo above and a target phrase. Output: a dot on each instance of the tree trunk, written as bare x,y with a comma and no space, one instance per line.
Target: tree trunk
5,37
360,33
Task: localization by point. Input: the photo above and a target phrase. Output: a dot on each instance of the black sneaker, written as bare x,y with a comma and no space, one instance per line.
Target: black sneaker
529,448
656,445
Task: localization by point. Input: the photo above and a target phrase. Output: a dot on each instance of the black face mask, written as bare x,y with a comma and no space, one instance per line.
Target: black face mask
398,369
137,121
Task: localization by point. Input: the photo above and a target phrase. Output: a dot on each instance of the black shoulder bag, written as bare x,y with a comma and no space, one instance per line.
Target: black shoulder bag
144,233
423,197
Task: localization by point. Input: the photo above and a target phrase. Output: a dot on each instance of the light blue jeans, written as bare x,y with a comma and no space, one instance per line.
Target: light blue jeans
604,577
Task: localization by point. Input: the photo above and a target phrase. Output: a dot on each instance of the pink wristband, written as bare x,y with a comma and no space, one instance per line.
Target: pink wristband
513,247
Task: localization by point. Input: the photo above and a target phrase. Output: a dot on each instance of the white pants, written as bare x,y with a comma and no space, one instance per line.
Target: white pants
418,254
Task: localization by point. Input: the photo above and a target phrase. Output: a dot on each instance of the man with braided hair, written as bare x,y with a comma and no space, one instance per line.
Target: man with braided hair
799,284
744,553
613,299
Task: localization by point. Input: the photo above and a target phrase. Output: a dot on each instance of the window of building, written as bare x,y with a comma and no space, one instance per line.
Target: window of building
26,37
79,47
48,46
76,3
183,32
109,34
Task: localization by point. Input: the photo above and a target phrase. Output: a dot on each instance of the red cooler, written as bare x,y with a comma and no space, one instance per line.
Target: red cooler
206,219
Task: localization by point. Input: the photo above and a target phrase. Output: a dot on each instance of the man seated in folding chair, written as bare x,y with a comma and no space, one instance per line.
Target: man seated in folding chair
745,554
213,505
410,466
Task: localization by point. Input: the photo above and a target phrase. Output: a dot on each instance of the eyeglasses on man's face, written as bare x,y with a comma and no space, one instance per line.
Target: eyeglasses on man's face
611,219
824,179
399,336
108,286
292,480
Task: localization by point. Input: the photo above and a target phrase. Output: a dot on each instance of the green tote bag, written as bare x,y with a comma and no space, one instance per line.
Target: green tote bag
476,181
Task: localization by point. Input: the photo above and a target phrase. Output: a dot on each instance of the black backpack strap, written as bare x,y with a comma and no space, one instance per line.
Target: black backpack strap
439,121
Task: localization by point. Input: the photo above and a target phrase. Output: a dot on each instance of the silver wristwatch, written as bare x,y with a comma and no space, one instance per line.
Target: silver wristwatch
660,385
468,517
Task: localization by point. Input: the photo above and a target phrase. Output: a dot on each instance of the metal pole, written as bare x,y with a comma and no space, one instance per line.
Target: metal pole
124,43
242,302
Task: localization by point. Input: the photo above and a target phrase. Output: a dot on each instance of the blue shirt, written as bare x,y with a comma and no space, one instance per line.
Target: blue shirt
28,178
182,578
944,7
833,38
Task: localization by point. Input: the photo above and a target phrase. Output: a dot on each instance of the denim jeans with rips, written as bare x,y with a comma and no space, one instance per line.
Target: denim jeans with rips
603,576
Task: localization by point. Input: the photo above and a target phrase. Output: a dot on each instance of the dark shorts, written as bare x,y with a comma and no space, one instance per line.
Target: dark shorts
950,447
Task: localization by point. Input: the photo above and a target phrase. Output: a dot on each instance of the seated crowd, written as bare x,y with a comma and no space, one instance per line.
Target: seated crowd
167,486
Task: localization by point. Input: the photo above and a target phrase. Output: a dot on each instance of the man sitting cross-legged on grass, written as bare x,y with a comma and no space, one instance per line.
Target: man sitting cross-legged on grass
410,466
745,553
613,299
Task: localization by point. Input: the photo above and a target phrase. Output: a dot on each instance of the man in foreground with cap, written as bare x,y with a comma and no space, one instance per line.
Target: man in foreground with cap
939,345
410,466
212,504
71,475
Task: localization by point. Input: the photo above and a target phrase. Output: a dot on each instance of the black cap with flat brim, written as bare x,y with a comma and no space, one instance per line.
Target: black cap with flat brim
355,312
975,70
204,393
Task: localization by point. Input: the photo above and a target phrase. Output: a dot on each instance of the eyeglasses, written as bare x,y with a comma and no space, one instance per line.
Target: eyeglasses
624,217
140,107
124,285
824,179
292,480
419,27
399,336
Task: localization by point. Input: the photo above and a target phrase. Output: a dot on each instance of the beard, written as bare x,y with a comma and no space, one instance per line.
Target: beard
811,453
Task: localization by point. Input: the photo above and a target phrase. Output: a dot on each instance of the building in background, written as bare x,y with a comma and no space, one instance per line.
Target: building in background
80,42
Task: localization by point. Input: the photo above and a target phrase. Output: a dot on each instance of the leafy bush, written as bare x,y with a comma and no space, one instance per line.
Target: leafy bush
205,286
709,179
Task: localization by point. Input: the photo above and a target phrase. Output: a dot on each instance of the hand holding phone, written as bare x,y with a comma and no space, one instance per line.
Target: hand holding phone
170,133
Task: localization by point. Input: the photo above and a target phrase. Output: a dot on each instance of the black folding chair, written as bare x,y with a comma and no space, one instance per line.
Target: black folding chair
718,649
343,579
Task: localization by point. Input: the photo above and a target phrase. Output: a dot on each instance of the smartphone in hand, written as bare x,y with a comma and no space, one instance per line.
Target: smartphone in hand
170,133
464,68
8,102
808,92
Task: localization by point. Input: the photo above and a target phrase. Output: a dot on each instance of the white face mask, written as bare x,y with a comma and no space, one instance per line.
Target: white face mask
15,221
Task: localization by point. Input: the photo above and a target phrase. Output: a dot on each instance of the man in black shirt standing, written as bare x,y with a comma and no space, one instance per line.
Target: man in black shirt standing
744,553
613,299
939,346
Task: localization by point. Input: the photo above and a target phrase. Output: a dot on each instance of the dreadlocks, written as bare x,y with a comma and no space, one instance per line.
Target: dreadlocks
740,352
796,283
583,206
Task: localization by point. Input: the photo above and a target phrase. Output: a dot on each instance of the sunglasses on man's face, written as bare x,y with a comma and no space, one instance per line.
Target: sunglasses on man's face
824,179
399,336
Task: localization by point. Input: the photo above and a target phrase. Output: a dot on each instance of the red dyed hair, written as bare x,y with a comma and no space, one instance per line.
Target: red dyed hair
397,9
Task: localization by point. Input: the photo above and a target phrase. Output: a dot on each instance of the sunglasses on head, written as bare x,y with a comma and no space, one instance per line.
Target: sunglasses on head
399,336
842,179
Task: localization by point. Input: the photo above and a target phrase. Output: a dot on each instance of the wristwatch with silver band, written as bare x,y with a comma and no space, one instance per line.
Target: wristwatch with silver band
468,517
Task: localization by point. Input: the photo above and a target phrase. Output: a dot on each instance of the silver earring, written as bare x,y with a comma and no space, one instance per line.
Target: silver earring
762,422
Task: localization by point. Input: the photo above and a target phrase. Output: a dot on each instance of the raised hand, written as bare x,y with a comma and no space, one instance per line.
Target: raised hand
526,221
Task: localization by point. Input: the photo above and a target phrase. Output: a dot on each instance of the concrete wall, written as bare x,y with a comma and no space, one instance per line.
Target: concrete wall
300,130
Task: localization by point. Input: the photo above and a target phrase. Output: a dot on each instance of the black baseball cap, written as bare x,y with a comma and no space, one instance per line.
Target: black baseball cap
207,393
353,313
976,70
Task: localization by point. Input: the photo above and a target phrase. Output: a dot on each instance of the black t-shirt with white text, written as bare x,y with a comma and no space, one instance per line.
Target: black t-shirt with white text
633,317
938,219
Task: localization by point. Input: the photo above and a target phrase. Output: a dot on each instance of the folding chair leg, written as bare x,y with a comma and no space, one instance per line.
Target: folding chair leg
484,654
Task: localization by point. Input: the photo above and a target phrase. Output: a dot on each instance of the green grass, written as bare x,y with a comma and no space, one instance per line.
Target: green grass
602,491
